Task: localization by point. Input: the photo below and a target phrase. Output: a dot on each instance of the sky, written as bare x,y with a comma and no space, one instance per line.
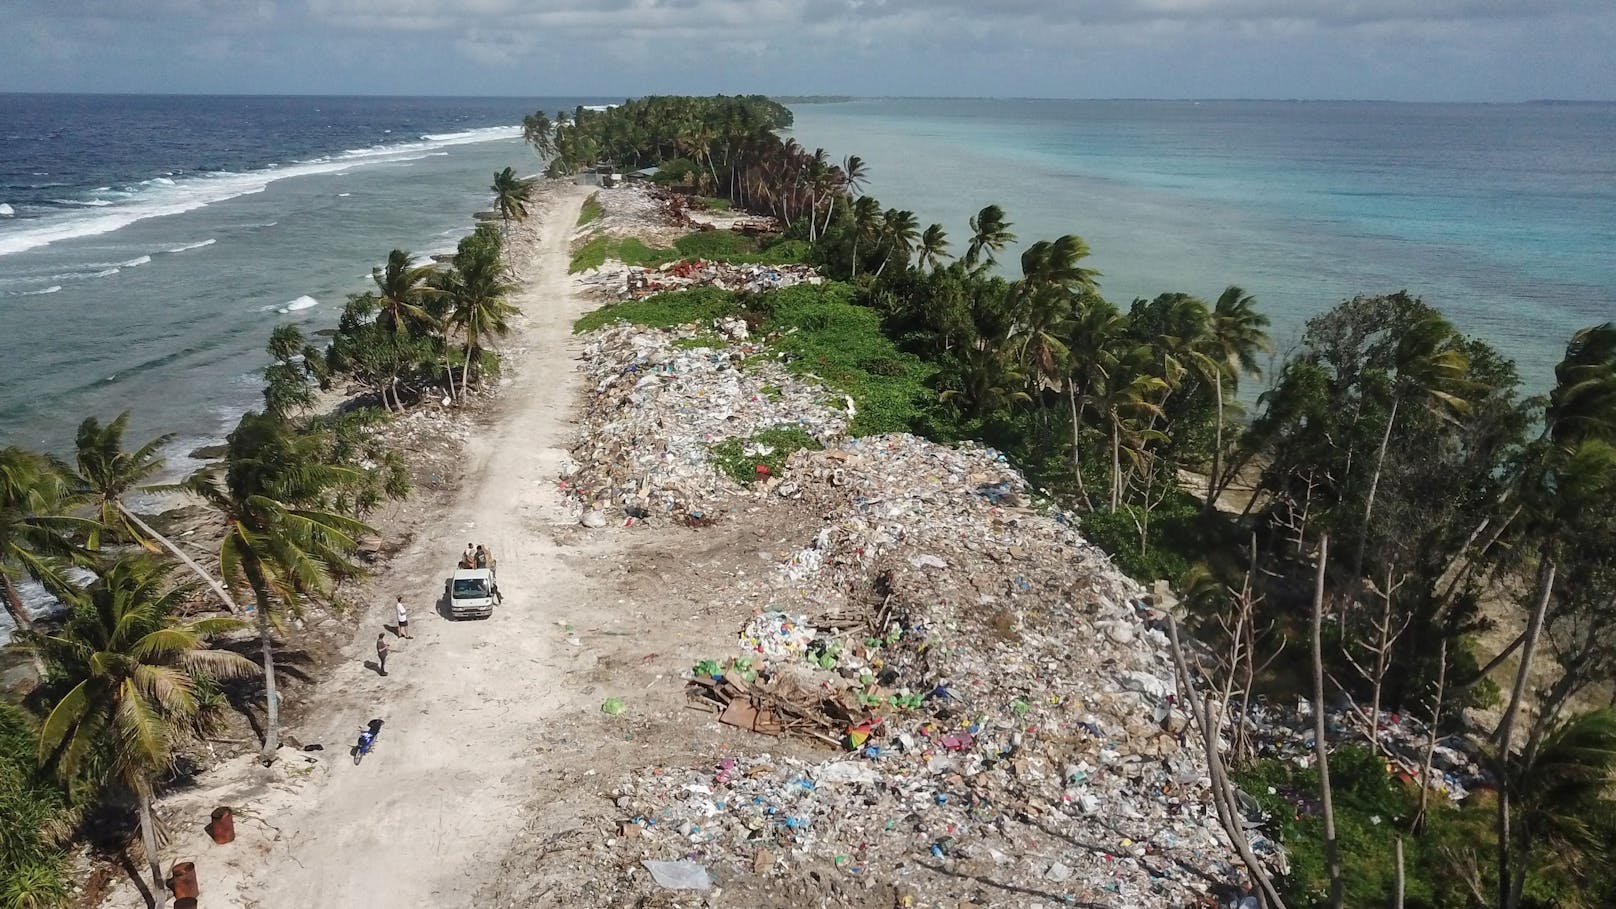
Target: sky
1444,50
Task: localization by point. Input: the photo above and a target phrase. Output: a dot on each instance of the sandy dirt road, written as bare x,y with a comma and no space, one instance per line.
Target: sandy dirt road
463,702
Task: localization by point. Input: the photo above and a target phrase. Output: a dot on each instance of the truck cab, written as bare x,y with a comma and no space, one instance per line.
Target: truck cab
471,593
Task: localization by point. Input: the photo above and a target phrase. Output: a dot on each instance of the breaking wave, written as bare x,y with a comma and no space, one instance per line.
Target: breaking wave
162,196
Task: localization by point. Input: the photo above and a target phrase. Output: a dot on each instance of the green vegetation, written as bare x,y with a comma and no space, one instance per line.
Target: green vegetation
818,331
1387,431
739,459
38,816
591,211
712,246
714,203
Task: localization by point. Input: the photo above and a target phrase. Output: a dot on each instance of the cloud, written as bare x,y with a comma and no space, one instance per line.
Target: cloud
1205,48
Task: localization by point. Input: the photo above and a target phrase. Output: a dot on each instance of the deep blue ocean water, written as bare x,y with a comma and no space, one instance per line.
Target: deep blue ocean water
1503,216
148,245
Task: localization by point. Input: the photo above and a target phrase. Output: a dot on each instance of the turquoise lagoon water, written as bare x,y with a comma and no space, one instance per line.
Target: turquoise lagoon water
1503,216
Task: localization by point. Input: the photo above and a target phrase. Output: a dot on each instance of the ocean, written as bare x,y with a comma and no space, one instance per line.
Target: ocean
1501,215
149,244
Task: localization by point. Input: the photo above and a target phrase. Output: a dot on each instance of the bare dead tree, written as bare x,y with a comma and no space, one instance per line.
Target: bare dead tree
1293,517
1508,894
1397,897
1332,849
1223,792
1384,632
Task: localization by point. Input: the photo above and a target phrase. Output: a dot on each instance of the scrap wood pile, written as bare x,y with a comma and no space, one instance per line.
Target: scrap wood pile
653,413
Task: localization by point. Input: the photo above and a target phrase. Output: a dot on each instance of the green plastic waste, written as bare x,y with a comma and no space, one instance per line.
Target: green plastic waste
613,707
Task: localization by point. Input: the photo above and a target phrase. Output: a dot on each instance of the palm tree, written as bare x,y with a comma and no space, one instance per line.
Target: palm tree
933,247
128,673
477,288
277,542
866,224
901,232
1130,391
511,196
990,232
1583,402
36,531
1555,793
106,473
404,291
993,382
539,132
1092,336
1432,371
1229,347
854,173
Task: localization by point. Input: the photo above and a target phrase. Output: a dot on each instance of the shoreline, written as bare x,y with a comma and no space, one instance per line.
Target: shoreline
428,677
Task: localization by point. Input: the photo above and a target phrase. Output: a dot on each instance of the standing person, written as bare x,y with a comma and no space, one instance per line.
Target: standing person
468,559
382,649
480,560
403,618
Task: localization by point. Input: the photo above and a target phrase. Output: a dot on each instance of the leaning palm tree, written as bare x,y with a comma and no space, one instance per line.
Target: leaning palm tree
1583,402
106,473
1227,351
37,533
127,672
866,225
990,232
901,232
1554,795
1432,371
278,542
933,247
477,290
403,291
511,196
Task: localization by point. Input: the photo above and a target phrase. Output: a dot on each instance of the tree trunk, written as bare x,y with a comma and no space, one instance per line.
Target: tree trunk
1508,893
1397,897
1321,747
1116,462
1436,725
855,251
24,624
1222,798
266,641
173,550
453,394
465,374
1374,485
148,839
1077,458
1217,451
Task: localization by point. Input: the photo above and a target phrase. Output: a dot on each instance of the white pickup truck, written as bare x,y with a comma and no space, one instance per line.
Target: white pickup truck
471,593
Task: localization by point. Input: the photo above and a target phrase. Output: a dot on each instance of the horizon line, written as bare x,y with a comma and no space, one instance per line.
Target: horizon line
811,98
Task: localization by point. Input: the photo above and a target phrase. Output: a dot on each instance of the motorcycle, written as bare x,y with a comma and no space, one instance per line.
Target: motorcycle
367,740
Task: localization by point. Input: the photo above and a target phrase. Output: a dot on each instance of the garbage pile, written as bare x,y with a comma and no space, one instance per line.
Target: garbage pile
691,273
1286,732
657,402
1003,701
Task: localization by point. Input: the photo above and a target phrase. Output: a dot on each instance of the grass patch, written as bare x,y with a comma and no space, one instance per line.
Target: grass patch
700,306
591,210
842,344
591,255
715,203
712,245
770,447
823,334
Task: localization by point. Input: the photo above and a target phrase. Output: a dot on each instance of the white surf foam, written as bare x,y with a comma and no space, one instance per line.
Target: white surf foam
135,262
198,245
6,210
37,293
162,197
303,302
343,195
88,203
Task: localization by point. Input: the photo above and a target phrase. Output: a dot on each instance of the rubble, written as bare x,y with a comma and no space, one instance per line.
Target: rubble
994,700
655,406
